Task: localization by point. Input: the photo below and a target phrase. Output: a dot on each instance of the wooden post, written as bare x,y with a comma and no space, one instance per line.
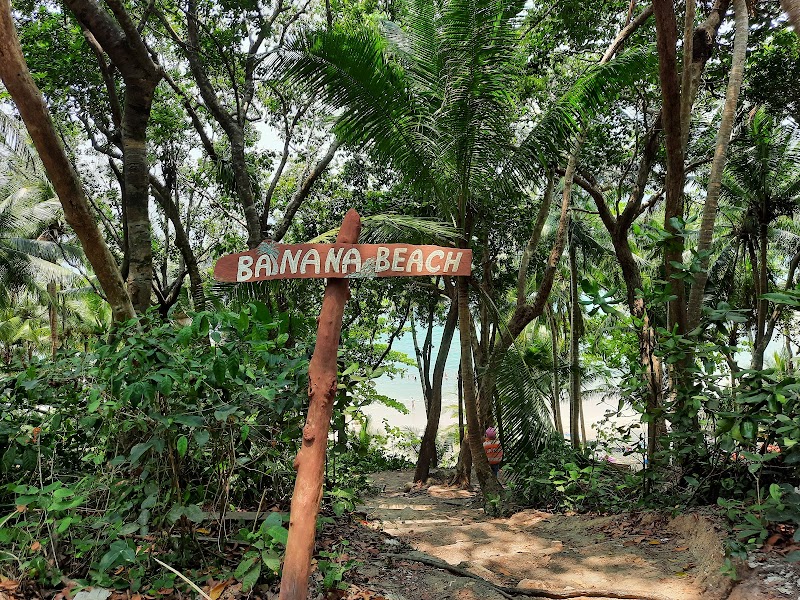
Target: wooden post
310,461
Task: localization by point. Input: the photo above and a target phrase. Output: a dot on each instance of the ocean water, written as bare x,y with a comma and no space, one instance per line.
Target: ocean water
407,389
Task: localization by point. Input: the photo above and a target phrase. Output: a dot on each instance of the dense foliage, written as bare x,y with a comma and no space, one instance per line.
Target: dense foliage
633,218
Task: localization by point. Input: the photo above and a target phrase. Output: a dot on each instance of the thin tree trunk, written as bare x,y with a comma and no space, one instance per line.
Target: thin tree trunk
575,331
460,408
304,190
583,422
556,401
120,39
490,487
427,451
792,8
20,85
667,36
533,242
310,461
53,314
170,208
717,166
762,304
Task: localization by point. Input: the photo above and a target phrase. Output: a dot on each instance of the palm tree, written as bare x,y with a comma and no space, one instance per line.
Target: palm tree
437,102
30,228
761,190
34,259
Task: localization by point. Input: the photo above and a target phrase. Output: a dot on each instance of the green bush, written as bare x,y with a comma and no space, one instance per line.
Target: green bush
117,454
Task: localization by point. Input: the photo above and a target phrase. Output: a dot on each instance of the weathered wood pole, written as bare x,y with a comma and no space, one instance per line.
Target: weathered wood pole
310,461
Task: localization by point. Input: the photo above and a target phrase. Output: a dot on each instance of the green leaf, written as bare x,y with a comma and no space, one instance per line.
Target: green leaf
194,513
222,413
189,420
138,450
775,492
279,534
201,437
245,566
271,560
182,445
118,553
250,578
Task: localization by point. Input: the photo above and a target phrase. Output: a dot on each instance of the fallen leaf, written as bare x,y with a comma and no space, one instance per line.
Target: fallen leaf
654,542
9,585
681,549
216,590
35,546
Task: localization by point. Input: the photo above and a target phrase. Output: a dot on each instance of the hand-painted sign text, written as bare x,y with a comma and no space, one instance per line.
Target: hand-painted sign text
352,261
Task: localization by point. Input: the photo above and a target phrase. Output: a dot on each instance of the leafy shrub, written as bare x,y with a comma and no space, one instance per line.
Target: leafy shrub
119,453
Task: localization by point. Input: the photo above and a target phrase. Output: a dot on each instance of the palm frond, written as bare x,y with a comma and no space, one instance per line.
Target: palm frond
392,228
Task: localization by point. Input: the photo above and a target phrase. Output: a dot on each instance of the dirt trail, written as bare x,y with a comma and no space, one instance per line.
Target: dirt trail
645,556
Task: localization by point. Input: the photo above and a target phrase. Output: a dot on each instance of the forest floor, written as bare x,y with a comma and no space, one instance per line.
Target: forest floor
639,556
436,543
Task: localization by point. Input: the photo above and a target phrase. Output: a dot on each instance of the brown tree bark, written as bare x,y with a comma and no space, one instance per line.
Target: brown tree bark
304,190
310,461
792,8
427,451
556,400
575,333
53,316
667,37
120,39
490,487
20,85
706,232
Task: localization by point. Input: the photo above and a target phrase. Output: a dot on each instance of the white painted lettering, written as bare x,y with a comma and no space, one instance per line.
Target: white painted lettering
310,259
415,259
452,261
429,261
333,260
382,259
351,257
245,272
263,264
290,262
398,259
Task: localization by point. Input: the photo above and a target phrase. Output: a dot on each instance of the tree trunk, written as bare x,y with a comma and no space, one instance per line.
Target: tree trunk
20,85
490,487
706,233
119,37
667,36
762,304
792,8
556,401
170,208
310,461
427,451
136,173
53,314
575,332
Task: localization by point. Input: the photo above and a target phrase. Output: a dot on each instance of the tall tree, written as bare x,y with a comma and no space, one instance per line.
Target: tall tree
18,81
445,123
119,38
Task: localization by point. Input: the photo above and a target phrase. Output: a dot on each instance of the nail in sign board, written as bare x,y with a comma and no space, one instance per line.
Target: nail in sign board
351,261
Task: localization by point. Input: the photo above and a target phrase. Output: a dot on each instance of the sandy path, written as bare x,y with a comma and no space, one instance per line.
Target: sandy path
673,560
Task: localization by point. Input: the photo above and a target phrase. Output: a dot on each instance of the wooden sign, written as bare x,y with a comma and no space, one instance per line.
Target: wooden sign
339,261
